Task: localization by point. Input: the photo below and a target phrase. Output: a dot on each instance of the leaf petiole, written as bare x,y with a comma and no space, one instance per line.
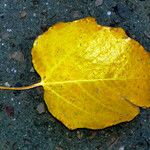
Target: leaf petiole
21,88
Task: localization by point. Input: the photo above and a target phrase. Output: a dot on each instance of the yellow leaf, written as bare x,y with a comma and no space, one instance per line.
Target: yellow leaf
93,76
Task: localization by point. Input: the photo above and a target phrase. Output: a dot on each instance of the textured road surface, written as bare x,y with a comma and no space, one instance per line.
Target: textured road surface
25,123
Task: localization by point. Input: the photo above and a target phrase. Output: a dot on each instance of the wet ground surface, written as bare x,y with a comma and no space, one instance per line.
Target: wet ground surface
25,122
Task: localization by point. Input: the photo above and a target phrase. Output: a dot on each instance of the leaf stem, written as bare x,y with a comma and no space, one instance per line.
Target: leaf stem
21,88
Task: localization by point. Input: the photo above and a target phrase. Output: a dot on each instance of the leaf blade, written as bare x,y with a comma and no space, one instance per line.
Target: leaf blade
77,59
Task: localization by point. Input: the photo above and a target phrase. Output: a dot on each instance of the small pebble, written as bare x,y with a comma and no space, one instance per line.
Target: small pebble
9,110
7,84
98,2
76,14
58,148
108,13
41,108
32,69
9,30
14,119
12,99
5,35
23,14
13,70
79,135
121,148
92,134
34,14
18,55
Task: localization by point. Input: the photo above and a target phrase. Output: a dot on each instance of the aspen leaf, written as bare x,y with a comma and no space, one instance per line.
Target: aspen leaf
93,76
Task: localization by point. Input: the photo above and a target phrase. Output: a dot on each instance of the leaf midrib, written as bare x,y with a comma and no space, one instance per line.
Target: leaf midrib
91,80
